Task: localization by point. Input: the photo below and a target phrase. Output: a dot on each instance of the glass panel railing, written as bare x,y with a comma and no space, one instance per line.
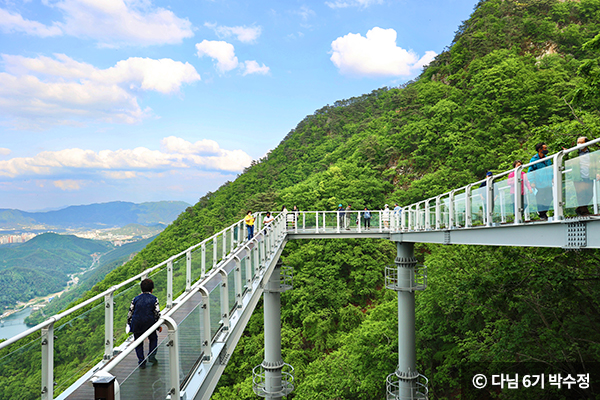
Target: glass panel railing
152,382
219,247
21,369
244,265
375,219
190,341
215,305
231,290
478,206
445,212
160,285
209,255
78,345
581,183
504,202
122,302
179,272
459,209
196,264
541,182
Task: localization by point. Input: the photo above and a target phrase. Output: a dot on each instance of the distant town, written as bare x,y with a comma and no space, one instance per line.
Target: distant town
108,235
21,238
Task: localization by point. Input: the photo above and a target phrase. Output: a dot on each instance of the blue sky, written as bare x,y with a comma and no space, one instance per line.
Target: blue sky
148,100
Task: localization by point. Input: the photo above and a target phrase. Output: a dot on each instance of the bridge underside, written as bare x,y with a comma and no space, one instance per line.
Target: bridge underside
568,234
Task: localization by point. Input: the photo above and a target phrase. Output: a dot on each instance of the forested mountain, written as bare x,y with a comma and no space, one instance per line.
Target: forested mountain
42,265
515,74
100,215
109,261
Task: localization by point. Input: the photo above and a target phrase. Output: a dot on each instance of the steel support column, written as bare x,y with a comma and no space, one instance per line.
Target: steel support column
270,381
403,383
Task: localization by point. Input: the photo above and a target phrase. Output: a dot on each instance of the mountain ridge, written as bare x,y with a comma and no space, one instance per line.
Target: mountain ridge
97,215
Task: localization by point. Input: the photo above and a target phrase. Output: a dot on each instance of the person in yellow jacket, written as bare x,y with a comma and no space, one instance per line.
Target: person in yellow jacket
249,220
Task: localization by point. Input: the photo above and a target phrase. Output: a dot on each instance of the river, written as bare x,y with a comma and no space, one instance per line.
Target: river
14,323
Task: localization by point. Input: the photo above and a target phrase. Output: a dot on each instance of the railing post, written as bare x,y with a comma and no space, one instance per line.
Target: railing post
249,275
303,221
224,299
358,220
595,195
203,260
169,284
188,271
518,192
224,244
489,200
557,188
380,221
173,345
206,331
109,312
403,218
232,238
410,218
238,281
48,362
468,211
337,222
263,247
502,208
317,222
215,248
451,210
438,212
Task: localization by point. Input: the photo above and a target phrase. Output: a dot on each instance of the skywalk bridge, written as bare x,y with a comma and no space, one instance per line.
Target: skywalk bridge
211,289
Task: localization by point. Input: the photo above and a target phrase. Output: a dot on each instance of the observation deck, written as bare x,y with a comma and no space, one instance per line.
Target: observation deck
211,289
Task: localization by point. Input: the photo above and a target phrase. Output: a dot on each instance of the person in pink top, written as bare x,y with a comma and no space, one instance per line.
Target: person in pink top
524,182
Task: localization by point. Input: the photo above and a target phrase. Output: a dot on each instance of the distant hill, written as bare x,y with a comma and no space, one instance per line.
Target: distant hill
95,216
41,266
109,261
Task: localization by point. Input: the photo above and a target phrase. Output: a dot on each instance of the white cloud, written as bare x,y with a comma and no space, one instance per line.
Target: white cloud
375,55
176,153
352,3
252,67
120,174
111,23
69,184
4,151
305,13
12,22
43,91
221,51
224,54
244,34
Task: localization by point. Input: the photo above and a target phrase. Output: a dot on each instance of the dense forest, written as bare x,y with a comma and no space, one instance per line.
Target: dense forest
42,265
516,73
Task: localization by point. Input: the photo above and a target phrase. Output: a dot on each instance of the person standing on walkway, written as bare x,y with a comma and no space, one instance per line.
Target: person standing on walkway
367,218
541,180
397,211
249,220
340,216
348,217
583,173
144,312
268,219
512,183
385,217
